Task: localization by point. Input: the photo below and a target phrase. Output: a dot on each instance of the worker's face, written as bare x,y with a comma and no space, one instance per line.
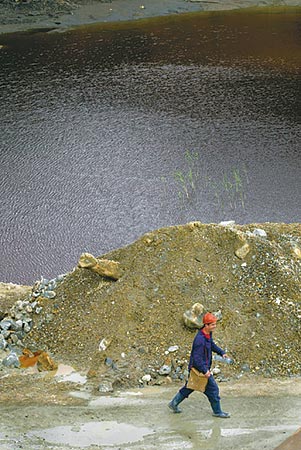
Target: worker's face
210,327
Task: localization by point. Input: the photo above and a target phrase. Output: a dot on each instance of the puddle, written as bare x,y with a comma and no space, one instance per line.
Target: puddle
66,373
82,395
241,431
133,394
115,401
93,433
73,378
63,370
63,373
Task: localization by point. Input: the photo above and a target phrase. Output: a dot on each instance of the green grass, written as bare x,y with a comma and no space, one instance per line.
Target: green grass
228,189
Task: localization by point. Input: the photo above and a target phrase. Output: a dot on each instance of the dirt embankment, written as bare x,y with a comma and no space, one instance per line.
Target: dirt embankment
250,275
22,15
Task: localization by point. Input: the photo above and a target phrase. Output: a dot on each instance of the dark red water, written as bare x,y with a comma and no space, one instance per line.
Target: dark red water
114,130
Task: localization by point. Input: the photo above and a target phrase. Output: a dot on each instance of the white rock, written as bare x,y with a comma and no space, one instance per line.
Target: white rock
259,232
103,345
173,348
165,370
146,378
227,223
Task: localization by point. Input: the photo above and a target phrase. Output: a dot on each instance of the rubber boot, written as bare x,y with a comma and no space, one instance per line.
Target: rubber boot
173,405
217,411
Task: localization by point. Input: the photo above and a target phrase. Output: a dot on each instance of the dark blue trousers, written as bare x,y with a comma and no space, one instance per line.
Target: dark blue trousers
211,392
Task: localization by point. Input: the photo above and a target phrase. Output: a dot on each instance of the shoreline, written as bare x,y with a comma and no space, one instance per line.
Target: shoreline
27,17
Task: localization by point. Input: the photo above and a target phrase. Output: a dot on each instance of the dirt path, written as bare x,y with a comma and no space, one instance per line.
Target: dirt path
139,419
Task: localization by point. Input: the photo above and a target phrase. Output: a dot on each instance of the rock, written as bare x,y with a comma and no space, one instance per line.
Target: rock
11,360
48,294
242,252
19,324
45,288
14,338
165,370
27,327
28,359
45,363
146,378
297,252
109,362
193,317
259,232
227,223
192,225
173,348
105,387
218,314
52,285
6,324
6,333
3,343
104,267
104,344
87,261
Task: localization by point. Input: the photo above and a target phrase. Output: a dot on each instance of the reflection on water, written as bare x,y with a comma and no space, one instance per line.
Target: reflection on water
93,433
99,121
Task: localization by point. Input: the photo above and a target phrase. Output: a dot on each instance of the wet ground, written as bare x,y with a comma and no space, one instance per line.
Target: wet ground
140,419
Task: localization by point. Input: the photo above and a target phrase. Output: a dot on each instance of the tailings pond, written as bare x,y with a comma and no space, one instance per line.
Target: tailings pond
113,130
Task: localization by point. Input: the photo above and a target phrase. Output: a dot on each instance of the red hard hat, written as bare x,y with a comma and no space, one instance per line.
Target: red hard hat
209,318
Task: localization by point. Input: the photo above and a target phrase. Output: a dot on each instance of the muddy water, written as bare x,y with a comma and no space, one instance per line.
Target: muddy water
110,131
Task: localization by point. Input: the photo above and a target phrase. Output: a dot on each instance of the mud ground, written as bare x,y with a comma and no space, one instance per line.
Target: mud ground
263,414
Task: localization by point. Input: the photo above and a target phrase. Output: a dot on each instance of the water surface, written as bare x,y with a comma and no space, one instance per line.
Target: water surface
111,131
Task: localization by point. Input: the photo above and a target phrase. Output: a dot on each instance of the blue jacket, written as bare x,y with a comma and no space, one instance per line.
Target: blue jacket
201,352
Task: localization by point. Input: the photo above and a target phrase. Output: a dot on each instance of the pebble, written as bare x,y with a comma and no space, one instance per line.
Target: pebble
173,348
105,387
146,378
12,360
164,370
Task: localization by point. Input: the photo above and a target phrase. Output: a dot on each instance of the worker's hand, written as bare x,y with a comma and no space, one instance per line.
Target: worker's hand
225,355
207,374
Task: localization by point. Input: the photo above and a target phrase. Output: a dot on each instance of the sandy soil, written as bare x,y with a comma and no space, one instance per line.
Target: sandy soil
28,15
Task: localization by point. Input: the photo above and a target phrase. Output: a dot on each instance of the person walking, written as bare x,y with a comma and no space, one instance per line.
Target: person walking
201,358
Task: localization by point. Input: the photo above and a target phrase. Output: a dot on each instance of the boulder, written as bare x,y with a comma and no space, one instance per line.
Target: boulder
104,267
242,252
193,317
45,363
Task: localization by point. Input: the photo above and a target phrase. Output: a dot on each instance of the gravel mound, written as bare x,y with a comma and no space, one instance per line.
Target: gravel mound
131,330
